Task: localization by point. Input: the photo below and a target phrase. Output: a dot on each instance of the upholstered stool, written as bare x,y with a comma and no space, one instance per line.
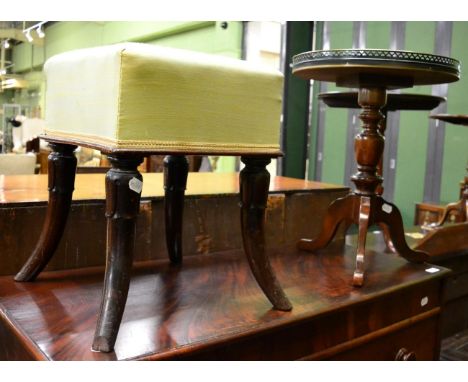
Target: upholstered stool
131,100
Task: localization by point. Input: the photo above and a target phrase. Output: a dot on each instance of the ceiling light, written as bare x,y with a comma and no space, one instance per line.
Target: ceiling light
28,35
40,32
2,72
6,44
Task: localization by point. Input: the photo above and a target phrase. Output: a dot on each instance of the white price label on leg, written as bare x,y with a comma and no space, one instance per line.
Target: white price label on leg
135,185
387,208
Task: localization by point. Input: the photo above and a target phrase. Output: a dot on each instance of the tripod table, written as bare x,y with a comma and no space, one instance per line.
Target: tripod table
373,72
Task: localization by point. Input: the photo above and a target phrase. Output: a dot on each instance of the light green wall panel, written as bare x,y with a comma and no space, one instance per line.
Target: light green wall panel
413,132
378,34
66,36
142,31
336,120
211,39
456,137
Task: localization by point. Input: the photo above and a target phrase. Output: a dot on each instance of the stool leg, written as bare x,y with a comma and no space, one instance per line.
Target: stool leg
61,172
123,190
254,184
175,181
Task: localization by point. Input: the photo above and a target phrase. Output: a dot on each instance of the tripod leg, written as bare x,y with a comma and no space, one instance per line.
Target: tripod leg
342,209
388,214
364,216
386,236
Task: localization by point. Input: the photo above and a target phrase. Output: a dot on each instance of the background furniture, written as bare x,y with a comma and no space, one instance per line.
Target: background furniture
427,213
460,208
373,72
211,213
17,164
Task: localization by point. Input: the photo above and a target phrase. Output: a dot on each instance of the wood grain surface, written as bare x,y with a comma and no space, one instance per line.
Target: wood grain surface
212,308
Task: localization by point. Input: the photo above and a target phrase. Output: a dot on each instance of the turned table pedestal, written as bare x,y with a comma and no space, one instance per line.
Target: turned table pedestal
373,72
395,102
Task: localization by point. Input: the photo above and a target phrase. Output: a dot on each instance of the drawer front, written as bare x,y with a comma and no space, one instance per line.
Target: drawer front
417,341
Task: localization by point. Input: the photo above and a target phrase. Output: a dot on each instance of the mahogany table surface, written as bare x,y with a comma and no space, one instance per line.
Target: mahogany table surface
33,188
213,299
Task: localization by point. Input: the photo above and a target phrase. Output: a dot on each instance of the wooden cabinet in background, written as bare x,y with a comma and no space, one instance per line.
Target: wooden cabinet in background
426,213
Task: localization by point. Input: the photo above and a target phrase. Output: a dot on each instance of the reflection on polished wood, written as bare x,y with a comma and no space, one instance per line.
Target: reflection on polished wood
212,308
33,188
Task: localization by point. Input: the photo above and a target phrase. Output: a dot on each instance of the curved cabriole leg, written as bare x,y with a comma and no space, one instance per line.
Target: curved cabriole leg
175,181
254,184
364,217
341,210
61,172
123,190
387,238
388,214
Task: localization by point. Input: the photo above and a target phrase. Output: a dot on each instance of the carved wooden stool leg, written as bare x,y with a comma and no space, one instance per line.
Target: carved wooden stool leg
61,170
175,181
341,210
123,190
254,184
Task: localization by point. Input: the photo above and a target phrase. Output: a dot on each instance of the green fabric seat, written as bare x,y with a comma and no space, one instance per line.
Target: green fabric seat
142,97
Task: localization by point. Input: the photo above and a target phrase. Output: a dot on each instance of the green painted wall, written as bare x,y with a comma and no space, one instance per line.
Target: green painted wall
456,137
413,132
336,120
203,36
378,34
